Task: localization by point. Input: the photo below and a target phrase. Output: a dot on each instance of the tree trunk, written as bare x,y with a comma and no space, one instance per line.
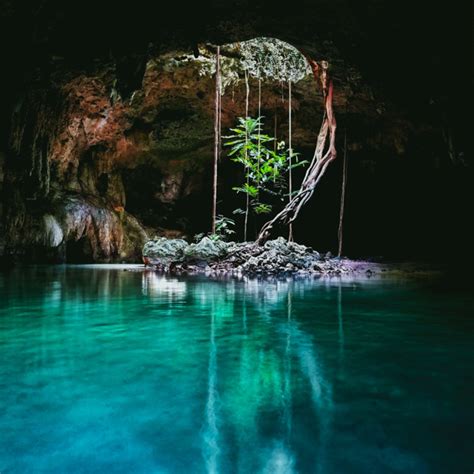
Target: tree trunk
318,164
216,140
343,194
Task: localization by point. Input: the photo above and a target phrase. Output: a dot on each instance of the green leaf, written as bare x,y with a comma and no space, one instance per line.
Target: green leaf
297,165
263,208
252,191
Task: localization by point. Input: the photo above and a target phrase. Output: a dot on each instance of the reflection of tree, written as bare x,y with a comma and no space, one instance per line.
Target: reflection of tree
287,397
211,432
340,322
268,360
321,390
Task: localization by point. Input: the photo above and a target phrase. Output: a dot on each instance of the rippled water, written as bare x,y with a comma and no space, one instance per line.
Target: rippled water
103,370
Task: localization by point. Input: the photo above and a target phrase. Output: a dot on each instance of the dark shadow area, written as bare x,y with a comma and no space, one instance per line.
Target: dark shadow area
79,251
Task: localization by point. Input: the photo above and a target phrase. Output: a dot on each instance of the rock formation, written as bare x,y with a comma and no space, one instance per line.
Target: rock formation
275,257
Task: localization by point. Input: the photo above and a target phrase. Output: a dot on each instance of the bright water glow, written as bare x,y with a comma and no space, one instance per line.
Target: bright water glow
106,370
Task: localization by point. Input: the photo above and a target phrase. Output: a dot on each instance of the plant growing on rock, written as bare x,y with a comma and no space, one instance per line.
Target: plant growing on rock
265,168
224,227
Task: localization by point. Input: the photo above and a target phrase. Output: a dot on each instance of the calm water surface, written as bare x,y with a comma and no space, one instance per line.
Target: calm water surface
103,370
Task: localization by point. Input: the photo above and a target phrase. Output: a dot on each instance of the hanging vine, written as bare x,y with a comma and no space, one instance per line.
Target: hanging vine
290,157
343,195
259,116
274,60
217,140
247,201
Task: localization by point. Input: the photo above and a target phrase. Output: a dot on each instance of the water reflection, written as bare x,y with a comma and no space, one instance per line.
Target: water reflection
155,285
175,374
340,320
211,432
263,381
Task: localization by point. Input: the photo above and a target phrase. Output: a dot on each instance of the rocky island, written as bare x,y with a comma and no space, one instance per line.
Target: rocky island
275,257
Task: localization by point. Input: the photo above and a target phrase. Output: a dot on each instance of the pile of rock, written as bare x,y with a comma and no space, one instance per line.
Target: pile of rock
275,256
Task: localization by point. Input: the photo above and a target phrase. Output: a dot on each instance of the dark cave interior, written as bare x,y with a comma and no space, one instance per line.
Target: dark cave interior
403,86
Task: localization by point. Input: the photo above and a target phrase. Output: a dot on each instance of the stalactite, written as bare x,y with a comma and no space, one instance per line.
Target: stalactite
343,194
318,165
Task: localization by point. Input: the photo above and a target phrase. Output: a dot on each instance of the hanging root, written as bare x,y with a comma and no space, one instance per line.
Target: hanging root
318,164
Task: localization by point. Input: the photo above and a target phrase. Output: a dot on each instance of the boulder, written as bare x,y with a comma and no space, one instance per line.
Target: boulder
163,251
280,245
206,250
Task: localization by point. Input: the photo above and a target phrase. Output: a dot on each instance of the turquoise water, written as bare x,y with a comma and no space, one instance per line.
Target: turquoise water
103,370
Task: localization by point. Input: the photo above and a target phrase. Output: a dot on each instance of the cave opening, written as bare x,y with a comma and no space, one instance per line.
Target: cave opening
79,251
258,63
170,190
103,184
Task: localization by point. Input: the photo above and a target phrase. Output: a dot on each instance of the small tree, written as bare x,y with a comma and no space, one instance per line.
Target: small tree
265,168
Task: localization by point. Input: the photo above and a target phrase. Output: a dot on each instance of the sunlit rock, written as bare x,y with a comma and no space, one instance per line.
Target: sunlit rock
206,250
165,251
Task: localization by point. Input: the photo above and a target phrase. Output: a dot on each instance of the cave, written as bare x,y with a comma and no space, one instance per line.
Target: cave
133,129
234,237
79,251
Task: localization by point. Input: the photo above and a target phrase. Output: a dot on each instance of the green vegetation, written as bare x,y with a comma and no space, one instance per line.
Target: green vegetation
265,168
224,230
224,227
